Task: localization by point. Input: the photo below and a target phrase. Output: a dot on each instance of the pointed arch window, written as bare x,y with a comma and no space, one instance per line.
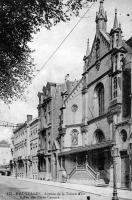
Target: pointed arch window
99,136
99,103
116,62
115,85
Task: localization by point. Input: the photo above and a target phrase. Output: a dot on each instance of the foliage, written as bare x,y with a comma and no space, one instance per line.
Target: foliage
19,19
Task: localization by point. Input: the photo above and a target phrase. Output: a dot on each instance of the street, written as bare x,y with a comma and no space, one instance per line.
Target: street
11,189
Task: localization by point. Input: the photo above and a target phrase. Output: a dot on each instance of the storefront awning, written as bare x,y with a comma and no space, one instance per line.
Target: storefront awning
88,148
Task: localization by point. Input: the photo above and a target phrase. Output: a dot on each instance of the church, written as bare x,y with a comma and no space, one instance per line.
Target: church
95,130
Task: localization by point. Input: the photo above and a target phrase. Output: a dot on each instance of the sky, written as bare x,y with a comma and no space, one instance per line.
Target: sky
67,60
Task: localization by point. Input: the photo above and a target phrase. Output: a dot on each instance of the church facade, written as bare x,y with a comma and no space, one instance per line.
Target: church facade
96,123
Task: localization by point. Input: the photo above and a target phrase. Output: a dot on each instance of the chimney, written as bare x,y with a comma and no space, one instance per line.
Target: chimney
29,118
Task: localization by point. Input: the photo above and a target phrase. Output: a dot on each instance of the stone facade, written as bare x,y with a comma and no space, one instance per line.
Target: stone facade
96,115
34,146
21,150
50,102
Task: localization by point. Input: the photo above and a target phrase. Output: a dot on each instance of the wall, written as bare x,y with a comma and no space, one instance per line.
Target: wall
75,97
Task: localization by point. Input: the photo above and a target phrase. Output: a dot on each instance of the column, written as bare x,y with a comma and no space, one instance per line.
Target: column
118,170
25,168
47,168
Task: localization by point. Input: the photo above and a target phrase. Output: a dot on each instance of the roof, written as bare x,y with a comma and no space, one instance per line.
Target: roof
129,42
105,35
88,148
73,88
35,120
20,127
126,45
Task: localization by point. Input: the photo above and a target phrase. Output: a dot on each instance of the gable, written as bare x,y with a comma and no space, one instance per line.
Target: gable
73,104
100,47
92,57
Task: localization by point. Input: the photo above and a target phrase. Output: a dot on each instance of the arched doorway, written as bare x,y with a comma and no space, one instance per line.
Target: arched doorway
101,156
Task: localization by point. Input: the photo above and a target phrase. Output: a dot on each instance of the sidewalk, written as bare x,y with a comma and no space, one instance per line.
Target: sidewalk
99,191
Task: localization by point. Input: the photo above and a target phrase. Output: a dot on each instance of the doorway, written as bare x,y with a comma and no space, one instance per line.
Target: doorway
124,170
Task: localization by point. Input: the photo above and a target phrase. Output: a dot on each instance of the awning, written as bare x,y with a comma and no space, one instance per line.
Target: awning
87,148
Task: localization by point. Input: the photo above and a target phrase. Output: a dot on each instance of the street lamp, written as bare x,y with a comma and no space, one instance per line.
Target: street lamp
114,153
130,158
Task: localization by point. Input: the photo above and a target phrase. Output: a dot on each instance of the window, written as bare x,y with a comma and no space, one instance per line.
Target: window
99,136
99,99
122,61
116,62
123,135
117,39
112,42
74,108
74,137
97,48
49,142
115,87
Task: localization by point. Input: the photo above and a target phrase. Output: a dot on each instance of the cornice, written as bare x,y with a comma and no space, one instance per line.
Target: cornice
97,118
73,125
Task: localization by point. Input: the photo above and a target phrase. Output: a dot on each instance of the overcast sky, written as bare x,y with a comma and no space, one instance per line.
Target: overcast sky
67,60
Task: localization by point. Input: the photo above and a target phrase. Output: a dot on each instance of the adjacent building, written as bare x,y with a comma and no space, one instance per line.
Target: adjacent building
34,146
50,102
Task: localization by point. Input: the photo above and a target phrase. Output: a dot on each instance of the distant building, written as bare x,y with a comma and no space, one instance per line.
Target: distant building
34,146
21,150
5,153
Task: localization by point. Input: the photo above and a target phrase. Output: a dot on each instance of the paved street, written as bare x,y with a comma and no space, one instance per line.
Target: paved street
11,189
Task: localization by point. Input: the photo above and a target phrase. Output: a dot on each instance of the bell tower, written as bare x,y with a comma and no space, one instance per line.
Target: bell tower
117,60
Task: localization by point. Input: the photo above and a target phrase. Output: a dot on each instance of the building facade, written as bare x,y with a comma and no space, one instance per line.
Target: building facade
34,129
97,113
50,102
21,154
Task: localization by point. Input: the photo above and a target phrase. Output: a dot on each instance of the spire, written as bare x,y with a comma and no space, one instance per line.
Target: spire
115,20
101,9
88,49
101,18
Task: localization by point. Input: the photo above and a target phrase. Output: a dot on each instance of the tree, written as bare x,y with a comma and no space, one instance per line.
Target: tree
19,19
